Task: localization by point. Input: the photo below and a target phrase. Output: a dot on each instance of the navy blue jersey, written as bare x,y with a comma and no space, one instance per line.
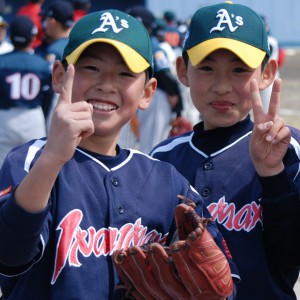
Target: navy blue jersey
57,48
259,217
52,51
24,80
98,204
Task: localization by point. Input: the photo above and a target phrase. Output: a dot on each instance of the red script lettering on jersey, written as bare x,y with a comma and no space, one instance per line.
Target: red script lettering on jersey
244,219
105,241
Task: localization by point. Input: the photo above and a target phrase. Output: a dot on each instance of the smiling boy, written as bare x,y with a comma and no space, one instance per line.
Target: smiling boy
247,173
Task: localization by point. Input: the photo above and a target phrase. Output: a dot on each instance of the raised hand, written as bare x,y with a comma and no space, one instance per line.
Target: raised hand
270,137
71,122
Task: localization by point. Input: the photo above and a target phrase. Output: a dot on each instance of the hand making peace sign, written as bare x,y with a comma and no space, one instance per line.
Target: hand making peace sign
270,137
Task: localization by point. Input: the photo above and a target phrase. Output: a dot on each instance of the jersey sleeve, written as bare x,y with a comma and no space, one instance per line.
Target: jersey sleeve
24,234
281,208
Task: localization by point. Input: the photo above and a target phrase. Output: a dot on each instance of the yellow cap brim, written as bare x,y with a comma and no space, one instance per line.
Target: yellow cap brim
135,62
250,55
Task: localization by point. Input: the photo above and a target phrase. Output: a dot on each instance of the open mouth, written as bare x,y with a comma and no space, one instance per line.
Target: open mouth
106,107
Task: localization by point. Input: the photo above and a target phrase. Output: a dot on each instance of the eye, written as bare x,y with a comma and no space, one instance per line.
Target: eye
240,70
205,68
92,68
127,74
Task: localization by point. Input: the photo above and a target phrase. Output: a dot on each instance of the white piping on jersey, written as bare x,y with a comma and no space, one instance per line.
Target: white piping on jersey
297,150
94,159
195,148
182,140
31,265
232,144
132,151
38,144
175,143
32,150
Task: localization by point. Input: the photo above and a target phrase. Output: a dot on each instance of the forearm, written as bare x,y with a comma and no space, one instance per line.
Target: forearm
281,210
18,227
34,191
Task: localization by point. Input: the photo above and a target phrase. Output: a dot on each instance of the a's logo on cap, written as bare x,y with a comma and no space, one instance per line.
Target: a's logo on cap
108,21
226,19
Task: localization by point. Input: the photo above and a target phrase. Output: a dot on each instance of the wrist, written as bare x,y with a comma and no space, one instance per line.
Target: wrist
51,160
267,171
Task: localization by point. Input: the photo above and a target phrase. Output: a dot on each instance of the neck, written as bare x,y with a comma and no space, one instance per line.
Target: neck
101,145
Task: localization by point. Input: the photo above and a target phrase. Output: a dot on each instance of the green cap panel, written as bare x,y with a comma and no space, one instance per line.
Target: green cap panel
228,22
117,28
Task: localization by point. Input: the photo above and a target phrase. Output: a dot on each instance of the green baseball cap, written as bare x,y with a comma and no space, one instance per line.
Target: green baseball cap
127,34
228,26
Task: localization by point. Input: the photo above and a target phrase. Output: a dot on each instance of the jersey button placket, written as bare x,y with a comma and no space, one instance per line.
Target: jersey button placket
120,209
115,182
208,166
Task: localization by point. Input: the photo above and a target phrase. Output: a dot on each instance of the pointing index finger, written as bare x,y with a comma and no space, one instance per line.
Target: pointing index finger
66,88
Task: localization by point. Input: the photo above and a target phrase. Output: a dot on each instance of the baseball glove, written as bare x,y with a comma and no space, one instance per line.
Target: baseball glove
193,267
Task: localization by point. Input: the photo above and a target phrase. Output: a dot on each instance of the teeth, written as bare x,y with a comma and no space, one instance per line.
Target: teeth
107,107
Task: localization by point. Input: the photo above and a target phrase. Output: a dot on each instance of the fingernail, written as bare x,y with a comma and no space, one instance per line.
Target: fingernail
267,125
269,138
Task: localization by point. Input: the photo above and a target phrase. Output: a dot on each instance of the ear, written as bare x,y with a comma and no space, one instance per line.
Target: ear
181,69
268,74
58,73
149,90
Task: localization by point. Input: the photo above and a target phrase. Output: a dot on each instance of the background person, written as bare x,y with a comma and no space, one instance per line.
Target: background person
58,19
5,45
25,78
32,10
154,124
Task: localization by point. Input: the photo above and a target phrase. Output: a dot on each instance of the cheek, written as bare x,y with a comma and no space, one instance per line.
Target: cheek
245,98
199,88
134,92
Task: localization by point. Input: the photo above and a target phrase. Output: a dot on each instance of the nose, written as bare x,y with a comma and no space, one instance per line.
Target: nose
222,84
106,83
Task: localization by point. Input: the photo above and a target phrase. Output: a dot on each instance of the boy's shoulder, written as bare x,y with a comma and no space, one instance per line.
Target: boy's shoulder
172,143
21,59
27,150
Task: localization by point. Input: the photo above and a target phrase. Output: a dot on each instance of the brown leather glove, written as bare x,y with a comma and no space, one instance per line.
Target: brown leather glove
192,268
